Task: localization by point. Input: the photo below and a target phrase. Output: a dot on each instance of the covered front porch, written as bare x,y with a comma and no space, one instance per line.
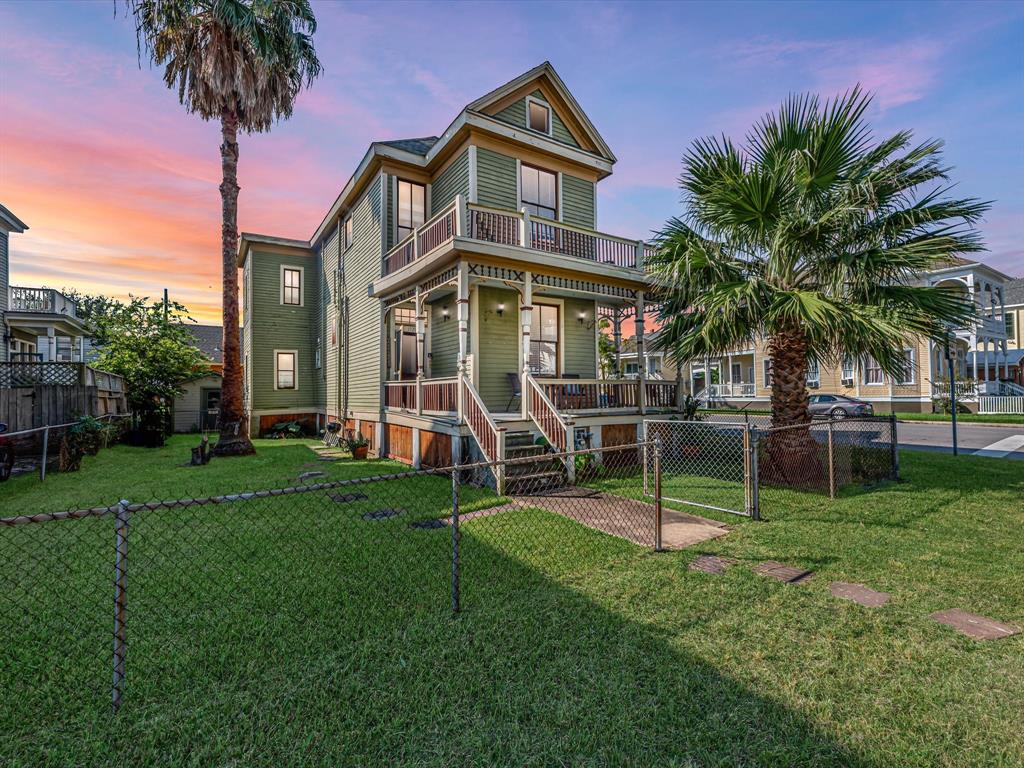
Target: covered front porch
42,325
494,347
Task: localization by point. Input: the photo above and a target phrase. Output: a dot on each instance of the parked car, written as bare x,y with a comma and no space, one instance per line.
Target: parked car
839,406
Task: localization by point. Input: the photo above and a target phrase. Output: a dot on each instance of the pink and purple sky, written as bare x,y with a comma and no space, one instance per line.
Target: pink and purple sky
119,184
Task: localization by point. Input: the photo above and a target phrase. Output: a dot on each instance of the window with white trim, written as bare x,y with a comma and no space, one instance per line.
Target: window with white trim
544,340
909,368
539,191
410,208
291,286
348,233
285,370
768,372
873,374
538,116
847,371
813,374
317,356
1010,321
736,373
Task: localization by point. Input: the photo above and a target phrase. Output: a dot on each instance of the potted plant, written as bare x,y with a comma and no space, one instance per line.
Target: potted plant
358,446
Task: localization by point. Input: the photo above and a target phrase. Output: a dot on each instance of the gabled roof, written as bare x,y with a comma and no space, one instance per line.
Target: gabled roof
208,341
545,73
9,221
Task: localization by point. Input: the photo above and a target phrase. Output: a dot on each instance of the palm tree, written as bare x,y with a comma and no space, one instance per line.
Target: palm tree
242,62
811,236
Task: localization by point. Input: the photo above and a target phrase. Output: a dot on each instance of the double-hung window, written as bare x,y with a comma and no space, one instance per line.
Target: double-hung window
813,374
348,233
873,374
284,370
538,190
291,286
1010,321
847,372
907,370
411,208
544,340
767,372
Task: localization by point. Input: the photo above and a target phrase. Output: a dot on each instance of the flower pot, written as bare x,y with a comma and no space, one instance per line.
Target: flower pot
359,452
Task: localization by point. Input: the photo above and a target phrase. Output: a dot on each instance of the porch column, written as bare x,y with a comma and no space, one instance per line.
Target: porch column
973,347
640,357
462,313
617,340
421,332
51,345
81,349
679,384
525,322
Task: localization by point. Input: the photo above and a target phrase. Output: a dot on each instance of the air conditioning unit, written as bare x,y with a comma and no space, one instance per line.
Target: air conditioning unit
847,382
813,384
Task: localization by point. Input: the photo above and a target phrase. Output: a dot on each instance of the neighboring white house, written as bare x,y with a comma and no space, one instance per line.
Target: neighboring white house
198,408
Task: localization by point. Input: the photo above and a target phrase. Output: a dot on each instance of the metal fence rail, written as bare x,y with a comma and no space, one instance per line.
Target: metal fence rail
735,466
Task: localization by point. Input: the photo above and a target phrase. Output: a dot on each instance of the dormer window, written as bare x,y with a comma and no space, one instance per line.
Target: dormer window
538,116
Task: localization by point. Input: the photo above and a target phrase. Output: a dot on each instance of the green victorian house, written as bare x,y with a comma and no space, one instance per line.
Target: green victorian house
451,300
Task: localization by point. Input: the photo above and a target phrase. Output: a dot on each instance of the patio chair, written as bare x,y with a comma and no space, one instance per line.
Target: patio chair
516,384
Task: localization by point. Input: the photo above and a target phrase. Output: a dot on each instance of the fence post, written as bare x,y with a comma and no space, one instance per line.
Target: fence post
747,504
755,486
895,467
831,463
657,493
46,452
120,601
456,559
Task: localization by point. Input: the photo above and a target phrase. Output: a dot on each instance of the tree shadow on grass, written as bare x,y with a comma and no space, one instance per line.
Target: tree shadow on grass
317,637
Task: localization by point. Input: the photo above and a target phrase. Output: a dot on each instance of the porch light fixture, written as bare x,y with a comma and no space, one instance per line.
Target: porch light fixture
501,309
582,316
444,314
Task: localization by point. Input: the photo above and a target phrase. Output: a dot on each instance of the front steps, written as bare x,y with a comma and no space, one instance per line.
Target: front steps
531,468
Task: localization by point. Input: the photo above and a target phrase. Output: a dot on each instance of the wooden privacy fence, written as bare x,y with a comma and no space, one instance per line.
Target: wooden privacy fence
43,404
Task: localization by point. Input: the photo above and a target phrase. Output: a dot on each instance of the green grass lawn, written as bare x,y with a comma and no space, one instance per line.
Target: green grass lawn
282,633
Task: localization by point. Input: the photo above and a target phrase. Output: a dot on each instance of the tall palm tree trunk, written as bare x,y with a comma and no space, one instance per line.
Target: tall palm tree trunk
792,455
234,428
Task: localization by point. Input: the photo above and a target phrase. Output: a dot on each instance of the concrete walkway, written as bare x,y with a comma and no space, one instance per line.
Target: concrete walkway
628,519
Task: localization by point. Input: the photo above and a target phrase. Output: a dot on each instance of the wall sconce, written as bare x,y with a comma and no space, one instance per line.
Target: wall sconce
444,314
501,309
582,316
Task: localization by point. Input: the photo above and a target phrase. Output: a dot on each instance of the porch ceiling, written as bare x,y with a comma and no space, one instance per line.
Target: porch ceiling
39,324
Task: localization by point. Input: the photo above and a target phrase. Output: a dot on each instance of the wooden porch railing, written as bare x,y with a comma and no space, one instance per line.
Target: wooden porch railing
489,436
494,226
432,234
661,394
591,394
545,415
439,395
44,300
557,237
400,395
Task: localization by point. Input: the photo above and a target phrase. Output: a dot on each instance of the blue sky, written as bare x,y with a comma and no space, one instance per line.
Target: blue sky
119,185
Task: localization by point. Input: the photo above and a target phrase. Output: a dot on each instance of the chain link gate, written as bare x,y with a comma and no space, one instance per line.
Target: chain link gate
705,464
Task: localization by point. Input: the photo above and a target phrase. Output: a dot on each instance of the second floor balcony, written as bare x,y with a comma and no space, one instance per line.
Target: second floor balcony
44,301
516,230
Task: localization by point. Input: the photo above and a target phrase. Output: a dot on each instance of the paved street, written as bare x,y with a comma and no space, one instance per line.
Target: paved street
980,439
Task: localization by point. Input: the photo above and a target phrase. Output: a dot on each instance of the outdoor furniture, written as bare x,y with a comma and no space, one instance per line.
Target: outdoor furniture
517,388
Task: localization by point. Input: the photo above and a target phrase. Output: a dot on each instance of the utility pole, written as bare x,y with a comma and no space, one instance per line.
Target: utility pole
165,305
952,393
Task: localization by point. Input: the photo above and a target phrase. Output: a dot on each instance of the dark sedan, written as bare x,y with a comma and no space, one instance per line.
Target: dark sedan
839,406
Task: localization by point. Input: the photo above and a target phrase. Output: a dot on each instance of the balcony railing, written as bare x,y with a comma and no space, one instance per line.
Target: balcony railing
736,389
515,228
41,300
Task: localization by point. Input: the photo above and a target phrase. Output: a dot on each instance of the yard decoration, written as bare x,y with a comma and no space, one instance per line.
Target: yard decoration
201,453
358,446
810,234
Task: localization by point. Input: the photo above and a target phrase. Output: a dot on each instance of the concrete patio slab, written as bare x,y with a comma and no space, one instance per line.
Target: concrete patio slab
973,625
859,593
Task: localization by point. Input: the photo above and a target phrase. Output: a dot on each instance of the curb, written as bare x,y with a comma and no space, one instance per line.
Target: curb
999,425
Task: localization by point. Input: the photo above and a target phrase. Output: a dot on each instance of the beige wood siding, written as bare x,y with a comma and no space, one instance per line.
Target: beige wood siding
578,202
496,180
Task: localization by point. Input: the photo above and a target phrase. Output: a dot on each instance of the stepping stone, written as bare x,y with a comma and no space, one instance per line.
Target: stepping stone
972,625
428,525
344,498
711,564
787,574
308,475
382,514
330,458
859,593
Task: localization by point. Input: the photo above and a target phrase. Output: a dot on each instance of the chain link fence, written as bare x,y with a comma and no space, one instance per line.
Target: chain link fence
744,467
145,598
